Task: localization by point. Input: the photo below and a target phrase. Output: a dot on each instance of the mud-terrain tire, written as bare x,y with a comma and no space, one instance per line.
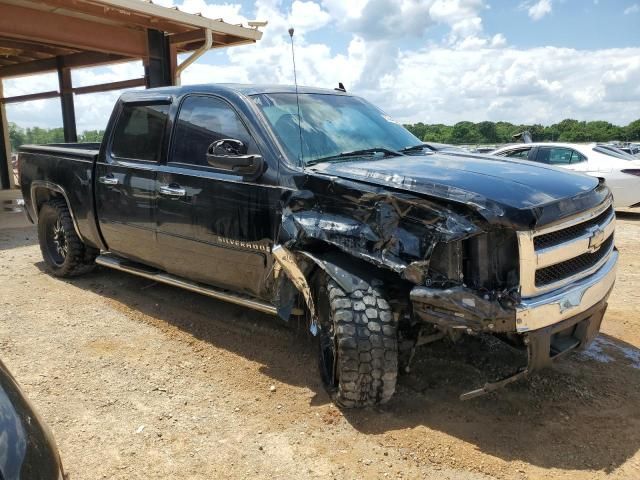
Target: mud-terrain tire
62,250
358,344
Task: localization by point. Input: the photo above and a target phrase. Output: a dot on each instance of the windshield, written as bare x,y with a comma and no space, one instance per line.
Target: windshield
331,125
614,152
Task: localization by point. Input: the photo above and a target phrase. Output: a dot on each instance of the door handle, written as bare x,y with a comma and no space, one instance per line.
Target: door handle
172,190
109,180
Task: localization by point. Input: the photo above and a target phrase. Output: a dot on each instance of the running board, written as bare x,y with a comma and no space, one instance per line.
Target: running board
111,261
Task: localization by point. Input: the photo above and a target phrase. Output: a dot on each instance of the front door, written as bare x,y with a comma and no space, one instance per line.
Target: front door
126,181
213,227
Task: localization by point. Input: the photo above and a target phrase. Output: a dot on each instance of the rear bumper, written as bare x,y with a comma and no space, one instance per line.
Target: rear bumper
553,308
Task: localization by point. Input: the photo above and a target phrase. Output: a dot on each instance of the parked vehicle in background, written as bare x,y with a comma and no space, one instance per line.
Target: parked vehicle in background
319,205
483,149
619,169
27,448
631,149
442,147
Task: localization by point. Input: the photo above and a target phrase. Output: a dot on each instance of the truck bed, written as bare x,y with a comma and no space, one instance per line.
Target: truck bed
77,150
64,169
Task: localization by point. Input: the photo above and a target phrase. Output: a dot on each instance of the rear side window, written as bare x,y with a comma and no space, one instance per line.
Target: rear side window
521,153
202,121
139,132
577,157
559,156
613,152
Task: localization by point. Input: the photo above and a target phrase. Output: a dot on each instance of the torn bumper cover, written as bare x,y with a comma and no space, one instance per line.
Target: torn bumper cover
548,343
551,324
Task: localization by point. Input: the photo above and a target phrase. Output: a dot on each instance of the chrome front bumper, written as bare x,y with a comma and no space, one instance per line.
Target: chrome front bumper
553,307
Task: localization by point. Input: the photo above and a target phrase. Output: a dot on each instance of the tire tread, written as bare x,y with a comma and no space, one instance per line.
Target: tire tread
367,346
80,257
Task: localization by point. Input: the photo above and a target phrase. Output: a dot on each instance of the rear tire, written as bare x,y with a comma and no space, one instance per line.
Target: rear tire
62,250
358,344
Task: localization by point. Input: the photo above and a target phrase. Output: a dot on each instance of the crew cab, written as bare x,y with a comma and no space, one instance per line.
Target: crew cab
314,203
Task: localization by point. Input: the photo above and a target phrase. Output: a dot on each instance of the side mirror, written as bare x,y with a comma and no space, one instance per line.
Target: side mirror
230,156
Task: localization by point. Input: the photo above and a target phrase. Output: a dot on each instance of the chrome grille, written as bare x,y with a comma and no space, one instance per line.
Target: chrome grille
568,268
569,233
555,256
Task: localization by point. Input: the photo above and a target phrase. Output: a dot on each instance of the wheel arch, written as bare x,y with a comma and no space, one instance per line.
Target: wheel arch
349,273
42,191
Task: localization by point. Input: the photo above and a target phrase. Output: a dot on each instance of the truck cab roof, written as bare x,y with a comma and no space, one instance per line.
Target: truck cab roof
225,89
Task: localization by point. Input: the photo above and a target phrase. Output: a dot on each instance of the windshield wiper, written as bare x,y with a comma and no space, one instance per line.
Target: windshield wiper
413,148
357,153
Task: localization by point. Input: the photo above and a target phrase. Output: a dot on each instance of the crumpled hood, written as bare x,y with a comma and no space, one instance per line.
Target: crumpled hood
490,184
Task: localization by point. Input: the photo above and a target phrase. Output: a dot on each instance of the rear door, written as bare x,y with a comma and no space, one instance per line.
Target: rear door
125,184
214,227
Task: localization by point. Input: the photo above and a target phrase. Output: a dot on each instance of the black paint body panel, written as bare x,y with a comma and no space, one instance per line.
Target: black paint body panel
389,212
27,449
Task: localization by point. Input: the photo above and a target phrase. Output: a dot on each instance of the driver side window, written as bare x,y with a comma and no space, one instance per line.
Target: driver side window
201,121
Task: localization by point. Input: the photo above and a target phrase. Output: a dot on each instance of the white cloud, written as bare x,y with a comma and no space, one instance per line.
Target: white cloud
342,9
538,9
635,8
524,86
463,16
467,75
308,16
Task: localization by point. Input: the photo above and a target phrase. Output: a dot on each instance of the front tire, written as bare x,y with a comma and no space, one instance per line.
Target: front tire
62,250
358,344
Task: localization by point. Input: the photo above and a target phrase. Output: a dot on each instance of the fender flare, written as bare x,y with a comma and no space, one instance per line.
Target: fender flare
54,187
339,267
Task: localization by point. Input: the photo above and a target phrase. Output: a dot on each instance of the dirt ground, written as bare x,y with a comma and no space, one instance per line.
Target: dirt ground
140,380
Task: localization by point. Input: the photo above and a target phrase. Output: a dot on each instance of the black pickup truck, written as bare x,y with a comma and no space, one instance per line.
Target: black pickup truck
320,205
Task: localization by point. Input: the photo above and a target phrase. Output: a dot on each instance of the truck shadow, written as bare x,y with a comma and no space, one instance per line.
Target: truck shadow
628,215
17,237
582,415
284,350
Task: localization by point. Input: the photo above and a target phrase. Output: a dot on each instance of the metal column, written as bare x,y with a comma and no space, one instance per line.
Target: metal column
158,68
66,103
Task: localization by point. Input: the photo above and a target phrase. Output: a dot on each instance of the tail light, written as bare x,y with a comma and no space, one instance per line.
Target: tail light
632,171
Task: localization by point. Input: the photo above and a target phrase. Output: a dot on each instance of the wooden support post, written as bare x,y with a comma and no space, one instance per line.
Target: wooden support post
66,103
6,170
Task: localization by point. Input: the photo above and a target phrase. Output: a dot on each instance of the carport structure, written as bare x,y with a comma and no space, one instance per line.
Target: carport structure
59,35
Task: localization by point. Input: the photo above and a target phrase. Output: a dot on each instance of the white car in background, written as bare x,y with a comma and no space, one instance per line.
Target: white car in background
620,170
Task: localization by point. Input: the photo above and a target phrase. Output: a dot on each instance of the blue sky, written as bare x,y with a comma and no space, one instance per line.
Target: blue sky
437,61
581,24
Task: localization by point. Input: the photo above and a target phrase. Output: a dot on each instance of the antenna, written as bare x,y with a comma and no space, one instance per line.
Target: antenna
295,79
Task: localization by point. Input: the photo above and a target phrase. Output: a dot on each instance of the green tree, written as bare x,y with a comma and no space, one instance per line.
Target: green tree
504,131
465,132
91,136
438,133
633,131
16,136
488,132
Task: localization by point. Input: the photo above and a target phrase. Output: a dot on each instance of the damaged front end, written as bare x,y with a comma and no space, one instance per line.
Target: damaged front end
450,266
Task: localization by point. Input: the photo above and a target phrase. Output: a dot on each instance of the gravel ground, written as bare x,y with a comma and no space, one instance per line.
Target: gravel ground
140,380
